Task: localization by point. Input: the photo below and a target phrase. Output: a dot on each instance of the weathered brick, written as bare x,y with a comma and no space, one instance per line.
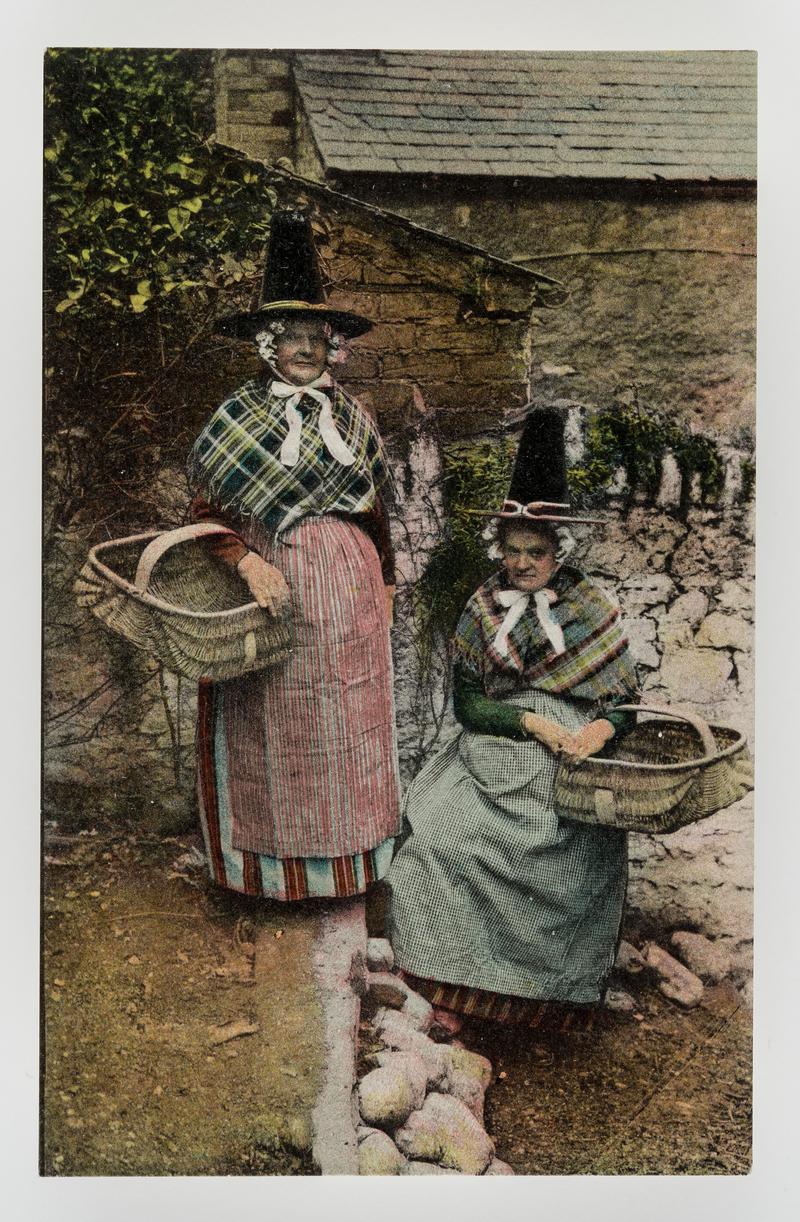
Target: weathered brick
253,141
505,366
497,398
468,337
362,365
394,337
423,366
500,293
360,303
235,66
258,101
381,275
416,305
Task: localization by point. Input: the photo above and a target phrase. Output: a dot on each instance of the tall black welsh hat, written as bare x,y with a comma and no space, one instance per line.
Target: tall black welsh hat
292,284
539,491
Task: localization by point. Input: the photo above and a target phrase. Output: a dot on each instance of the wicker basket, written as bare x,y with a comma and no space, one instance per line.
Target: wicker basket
659,777
165,593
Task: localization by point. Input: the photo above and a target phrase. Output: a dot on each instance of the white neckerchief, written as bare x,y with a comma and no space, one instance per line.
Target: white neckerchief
334,443
517,602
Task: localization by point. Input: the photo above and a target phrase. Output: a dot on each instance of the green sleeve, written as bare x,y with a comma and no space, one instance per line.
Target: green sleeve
478,712
622,722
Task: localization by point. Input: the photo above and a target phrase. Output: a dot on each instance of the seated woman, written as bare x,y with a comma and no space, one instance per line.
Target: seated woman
498,908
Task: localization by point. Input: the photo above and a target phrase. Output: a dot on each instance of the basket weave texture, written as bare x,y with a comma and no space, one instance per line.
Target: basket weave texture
168,595
659,777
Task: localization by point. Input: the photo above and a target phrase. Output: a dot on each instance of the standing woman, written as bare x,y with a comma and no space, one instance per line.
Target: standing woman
297,772
499,909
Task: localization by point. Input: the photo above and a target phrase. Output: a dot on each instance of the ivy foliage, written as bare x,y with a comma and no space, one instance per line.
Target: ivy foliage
138,201
150,232
637,438
475,476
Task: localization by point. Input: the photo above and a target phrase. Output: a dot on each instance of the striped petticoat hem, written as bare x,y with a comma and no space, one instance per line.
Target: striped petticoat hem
557,1016
291,878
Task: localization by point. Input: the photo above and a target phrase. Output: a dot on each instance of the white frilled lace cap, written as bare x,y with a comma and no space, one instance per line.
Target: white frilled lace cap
266,338
566,540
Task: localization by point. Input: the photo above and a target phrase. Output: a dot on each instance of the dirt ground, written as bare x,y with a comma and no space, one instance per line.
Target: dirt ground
146,967
661,1091
667,1095
146,970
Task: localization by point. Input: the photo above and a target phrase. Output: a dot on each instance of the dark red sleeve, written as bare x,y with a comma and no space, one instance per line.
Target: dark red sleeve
375,523
228,548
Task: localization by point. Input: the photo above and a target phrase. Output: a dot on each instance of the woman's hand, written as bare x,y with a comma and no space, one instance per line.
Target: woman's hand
589,740
555,737
266,583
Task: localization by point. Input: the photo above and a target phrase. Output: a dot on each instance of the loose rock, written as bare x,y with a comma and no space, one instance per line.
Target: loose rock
619,1001
418,1012
675,980
498,1167
629,959
393,1029
378,1155
701,956
461,1060
418,1168
444,1130
380,956
389,1094
387,990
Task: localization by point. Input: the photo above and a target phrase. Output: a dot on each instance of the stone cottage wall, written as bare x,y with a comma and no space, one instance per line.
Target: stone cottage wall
667,301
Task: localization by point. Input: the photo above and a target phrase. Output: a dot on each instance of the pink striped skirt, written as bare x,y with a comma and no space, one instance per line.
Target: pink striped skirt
299,762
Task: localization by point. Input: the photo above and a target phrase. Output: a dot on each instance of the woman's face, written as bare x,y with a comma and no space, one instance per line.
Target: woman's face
301,350
529,559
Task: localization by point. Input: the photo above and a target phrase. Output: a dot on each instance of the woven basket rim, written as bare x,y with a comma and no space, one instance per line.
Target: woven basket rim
692,765
150,600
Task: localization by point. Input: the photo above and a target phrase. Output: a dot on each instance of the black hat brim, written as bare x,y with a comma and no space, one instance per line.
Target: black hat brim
247,325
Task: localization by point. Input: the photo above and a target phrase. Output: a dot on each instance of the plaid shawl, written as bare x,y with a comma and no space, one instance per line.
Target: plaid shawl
595,664
236,462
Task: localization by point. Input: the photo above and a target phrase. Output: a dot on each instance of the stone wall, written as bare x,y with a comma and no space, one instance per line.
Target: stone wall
667,303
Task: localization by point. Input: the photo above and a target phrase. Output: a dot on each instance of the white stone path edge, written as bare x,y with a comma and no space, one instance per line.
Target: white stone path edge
340,974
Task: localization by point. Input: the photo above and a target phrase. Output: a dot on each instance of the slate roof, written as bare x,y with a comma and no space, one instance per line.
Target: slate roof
683,115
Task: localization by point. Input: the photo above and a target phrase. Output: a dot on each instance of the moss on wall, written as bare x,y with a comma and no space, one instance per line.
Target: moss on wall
639,439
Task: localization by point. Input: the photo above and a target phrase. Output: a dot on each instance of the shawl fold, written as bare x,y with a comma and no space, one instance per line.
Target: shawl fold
236,460
595,663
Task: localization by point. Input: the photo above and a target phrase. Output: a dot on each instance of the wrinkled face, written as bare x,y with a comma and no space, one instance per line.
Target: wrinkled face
301,350
529,559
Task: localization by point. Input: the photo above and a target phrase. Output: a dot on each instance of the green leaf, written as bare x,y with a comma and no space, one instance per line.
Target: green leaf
178,219
119,206
194,205
138,303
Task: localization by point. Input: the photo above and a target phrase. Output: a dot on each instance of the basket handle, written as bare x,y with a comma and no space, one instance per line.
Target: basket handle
170,538
697,723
